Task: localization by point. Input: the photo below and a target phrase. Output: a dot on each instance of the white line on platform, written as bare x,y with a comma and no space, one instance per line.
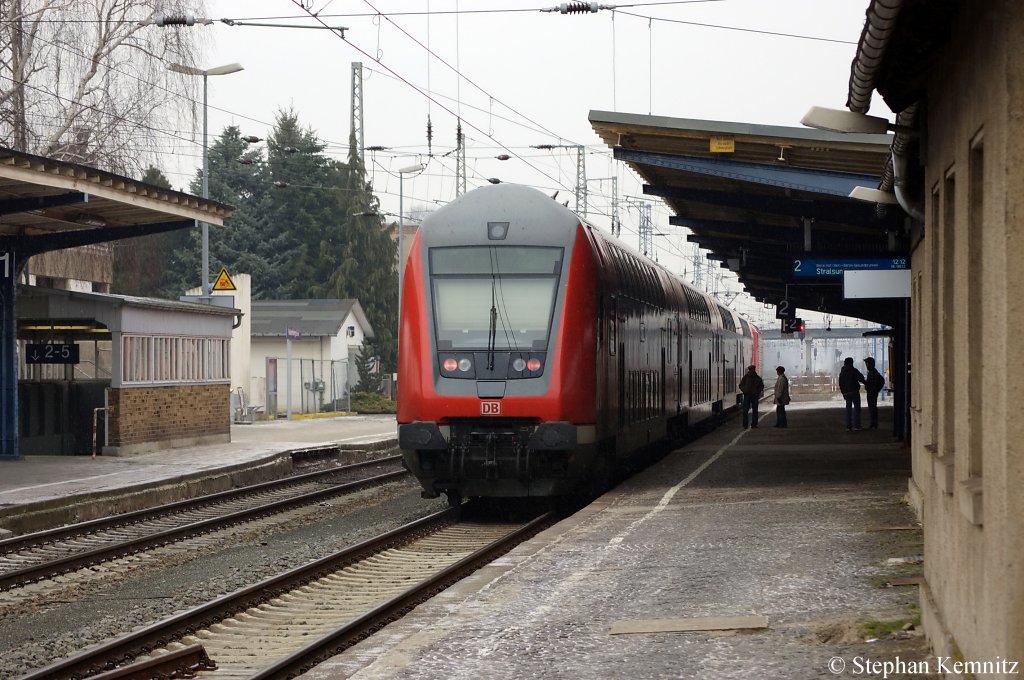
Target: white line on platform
667,498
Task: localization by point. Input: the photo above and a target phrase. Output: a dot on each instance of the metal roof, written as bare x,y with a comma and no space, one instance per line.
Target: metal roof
778,195
41,196
312,318
80,315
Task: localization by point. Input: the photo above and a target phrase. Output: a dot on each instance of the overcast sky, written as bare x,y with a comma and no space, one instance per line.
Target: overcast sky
527,78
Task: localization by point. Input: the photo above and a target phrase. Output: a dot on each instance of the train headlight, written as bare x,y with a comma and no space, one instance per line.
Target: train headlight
459,365
533,364
518,364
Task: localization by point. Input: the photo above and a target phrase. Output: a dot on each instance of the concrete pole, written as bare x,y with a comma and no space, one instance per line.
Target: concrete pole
288,377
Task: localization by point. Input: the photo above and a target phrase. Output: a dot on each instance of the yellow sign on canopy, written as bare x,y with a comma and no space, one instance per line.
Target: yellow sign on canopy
723,144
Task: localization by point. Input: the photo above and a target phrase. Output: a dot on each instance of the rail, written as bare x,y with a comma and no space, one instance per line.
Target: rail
149,540
443,528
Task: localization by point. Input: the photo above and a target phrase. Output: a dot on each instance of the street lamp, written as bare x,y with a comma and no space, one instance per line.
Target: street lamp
401,227
215,71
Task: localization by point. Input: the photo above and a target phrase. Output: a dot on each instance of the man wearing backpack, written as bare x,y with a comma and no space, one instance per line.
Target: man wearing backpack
874,384
751,386
850,380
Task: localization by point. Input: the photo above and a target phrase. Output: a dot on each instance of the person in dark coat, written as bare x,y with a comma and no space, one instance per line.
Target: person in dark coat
751,386
850,380
781,397
873,384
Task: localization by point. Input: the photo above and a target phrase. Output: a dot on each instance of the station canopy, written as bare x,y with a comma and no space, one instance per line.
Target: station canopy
767,201
47,204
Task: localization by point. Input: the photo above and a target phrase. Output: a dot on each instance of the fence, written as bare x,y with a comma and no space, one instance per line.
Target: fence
813,383
317,386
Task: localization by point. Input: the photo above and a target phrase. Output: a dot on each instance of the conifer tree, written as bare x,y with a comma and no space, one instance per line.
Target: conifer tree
364,260
301,208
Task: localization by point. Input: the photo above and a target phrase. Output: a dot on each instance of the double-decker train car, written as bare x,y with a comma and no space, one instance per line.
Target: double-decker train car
537,353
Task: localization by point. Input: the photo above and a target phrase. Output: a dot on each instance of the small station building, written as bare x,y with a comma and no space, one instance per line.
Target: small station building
149,373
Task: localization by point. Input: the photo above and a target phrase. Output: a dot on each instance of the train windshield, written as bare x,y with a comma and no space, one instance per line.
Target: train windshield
494,297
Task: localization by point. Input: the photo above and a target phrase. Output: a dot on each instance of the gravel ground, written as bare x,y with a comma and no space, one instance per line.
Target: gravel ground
35,636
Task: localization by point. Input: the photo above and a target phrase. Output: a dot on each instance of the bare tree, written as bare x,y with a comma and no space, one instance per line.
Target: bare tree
86,81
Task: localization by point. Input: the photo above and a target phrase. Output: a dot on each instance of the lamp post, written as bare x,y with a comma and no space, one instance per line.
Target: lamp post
205,73
401,228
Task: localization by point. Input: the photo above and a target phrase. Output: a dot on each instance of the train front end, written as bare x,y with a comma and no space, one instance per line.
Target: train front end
496,380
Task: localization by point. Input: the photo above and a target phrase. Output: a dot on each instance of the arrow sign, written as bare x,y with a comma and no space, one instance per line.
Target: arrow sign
51,353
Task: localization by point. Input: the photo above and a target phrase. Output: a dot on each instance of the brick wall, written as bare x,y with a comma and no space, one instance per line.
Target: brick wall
141,415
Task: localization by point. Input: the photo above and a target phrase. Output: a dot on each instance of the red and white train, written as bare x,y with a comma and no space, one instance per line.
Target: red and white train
536,353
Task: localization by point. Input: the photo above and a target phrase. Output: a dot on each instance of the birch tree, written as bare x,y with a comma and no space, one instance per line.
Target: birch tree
86,80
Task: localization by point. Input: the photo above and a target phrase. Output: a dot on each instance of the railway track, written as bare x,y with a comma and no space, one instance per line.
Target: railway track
43,555
285,625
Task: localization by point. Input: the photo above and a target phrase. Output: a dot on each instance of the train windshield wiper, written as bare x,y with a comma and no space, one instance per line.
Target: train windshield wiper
492,334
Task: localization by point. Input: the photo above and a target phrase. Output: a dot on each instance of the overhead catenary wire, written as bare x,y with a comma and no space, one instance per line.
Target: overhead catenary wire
460,75
440,105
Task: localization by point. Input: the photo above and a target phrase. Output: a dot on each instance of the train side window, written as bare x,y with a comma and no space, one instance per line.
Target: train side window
613,326
667,340
679,339
643,332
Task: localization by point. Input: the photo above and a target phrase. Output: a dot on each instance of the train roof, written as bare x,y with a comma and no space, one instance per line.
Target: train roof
466,218
525,209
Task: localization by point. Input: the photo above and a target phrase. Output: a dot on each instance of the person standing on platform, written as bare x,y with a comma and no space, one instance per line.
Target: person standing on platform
751,386
781,397
850,380
874,384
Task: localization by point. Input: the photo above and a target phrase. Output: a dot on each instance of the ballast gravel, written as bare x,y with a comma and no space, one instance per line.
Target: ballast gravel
36,634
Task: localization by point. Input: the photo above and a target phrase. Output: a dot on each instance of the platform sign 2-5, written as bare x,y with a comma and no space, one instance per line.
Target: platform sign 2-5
51,353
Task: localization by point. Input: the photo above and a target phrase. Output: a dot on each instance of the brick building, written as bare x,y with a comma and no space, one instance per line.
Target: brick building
159,368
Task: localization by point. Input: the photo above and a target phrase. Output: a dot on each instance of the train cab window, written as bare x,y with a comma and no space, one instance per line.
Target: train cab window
498,295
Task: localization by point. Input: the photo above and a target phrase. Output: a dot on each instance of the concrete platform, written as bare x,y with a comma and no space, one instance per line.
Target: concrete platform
39,492
762,553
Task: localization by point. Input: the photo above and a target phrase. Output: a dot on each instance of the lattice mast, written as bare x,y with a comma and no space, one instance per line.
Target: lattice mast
646,230
357,106
698,267
581,182
460,160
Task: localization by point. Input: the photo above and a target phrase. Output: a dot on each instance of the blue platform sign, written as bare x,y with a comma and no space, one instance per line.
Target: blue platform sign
51,353
834,267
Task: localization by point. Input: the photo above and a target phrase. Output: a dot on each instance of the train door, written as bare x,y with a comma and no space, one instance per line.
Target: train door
679,365
719,355
666,362
689,366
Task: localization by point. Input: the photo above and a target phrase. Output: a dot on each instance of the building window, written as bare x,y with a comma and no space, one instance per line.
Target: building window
948,318
166,359
350,331
934,236
975,304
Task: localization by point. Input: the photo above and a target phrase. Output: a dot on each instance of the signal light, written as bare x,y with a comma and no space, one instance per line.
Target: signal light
533,364
790,326
465,364
450,365
518,364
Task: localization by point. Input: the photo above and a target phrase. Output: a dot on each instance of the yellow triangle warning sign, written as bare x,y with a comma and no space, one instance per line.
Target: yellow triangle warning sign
223,281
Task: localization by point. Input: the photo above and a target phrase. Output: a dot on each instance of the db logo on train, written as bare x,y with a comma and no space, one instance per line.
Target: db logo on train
490,408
